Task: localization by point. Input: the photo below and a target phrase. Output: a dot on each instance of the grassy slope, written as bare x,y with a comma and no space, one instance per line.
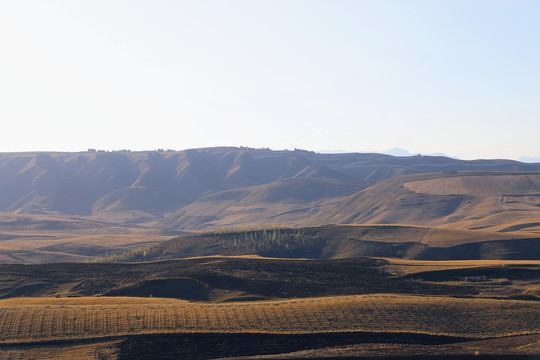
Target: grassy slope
347,241
474,200
33,238
288,201
487,200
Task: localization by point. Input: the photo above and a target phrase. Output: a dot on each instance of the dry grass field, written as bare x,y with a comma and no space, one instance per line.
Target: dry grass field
376,324
406,266
499,202
479,185
495,201
32,249
23,320
100,350
32,238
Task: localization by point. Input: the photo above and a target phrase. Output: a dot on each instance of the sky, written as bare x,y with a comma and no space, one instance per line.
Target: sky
456,77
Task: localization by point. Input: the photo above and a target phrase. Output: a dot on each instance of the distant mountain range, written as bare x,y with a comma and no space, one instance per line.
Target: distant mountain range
222,186
529,159
397,151
393,152
402,152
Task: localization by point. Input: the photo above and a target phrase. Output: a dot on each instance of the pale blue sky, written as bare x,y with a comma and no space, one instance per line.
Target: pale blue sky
458,77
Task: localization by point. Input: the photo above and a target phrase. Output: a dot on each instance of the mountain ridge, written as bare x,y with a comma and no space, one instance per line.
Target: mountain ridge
154,182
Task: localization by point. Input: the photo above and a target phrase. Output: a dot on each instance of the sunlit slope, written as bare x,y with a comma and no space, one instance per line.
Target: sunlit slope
509,202
288,201
34,238
473,200
35,249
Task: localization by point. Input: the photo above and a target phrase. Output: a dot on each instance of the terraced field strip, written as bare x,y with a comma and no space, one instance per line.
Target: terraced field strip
478,318
406,266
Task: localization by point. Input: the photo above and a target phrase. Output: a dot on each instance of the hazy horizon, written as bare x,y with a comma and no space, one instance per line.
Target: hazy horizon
397,152
453,77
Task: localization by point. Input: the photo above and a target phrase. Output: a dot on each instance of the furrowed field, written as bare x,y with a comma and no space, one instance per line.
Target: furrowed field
29,320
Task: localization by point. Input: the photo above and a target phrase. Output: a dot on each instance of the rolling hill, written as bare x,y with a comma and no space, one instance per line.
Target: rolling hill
288,201
73,206
215,279
497,201
211,307
345,241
